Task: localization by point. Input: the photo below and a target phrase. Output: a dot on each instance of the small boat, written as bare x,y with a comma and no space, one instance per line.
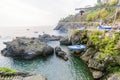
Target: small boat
104,27
77,47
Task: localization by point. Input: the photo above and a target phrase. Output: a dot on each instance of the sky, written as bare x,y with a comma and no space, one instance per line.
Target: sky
37,12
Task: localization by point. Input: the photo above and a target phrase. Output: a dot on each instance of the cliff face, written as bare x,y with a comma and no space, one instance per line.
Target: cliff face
101,54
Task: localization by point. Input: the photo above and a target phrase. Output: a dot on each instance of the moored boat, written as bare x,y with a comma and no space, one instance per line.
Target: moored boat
77,47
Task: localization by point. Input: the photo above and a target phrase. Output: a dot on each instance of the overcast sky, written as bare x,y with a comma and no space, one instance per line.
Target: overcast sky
37,12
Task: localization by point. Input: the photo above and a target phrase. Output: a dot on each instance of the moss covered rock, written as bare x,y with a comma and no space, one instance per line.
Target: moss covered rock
11,74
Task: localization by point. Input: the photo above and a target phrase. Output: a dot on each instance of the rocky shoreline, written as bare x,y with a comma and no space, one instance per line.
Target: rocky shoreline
104,66
101,54
31,48
28,49
10,74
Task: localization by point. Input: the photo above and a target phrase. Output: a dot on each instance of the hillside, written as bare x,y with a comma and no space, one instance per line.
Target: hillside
96,15
105,14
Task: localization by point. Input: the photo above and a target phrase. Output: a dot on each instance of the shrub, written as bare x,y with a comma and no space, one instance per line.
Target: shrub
104,13
92,15
105,44
75,31
84,37
113,3
114,69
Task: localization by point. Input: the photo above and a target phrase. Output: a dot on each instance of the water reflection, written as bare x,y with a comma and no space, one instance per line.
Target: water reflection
77,67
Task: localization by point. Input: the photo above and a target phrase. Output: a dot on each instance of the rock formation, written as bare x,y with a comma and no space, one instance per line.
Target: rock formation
60,53
26,48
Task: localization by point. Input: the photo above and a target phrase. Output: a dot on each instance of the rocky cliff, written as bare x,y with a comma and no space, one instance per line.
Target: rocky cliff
102,54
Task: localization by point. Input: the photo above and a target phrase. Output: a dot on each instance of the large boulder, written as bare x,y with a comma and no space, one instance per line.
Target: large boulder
60,27
112,76
26,48
88,54
76,39
97,74
65,41
60,53
79,37
94,64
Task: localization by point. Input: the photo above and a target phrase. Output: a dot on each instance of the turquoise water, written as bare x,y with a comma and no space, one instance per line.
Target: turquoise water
52,67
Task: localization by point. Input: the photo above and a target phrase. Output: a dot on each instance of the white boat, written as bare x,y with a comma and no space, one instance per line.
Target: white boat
77,47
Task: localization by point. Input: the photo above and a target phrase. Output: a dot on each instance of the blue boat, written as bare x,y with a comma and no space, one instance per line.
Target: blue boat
77,47
104,27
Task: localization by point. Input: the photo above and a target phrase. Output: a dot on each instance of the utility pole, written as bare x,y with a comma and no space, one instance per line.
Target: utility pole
116,13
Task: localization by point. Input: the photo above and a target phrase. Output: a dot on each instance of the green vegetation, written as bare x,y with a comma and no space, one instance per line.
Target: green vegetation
84,37
114,69
105,42
7,70
112,3
105,14
75,32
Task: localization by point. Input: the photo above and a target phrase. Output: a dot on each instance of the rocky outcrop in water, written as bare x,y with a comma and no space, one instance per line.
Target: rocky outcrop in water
26,48
47,37
65,41
60,53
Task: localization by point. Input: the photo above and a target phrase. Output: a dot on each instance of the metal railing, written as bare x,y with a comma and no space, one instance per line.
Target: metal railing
11,78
